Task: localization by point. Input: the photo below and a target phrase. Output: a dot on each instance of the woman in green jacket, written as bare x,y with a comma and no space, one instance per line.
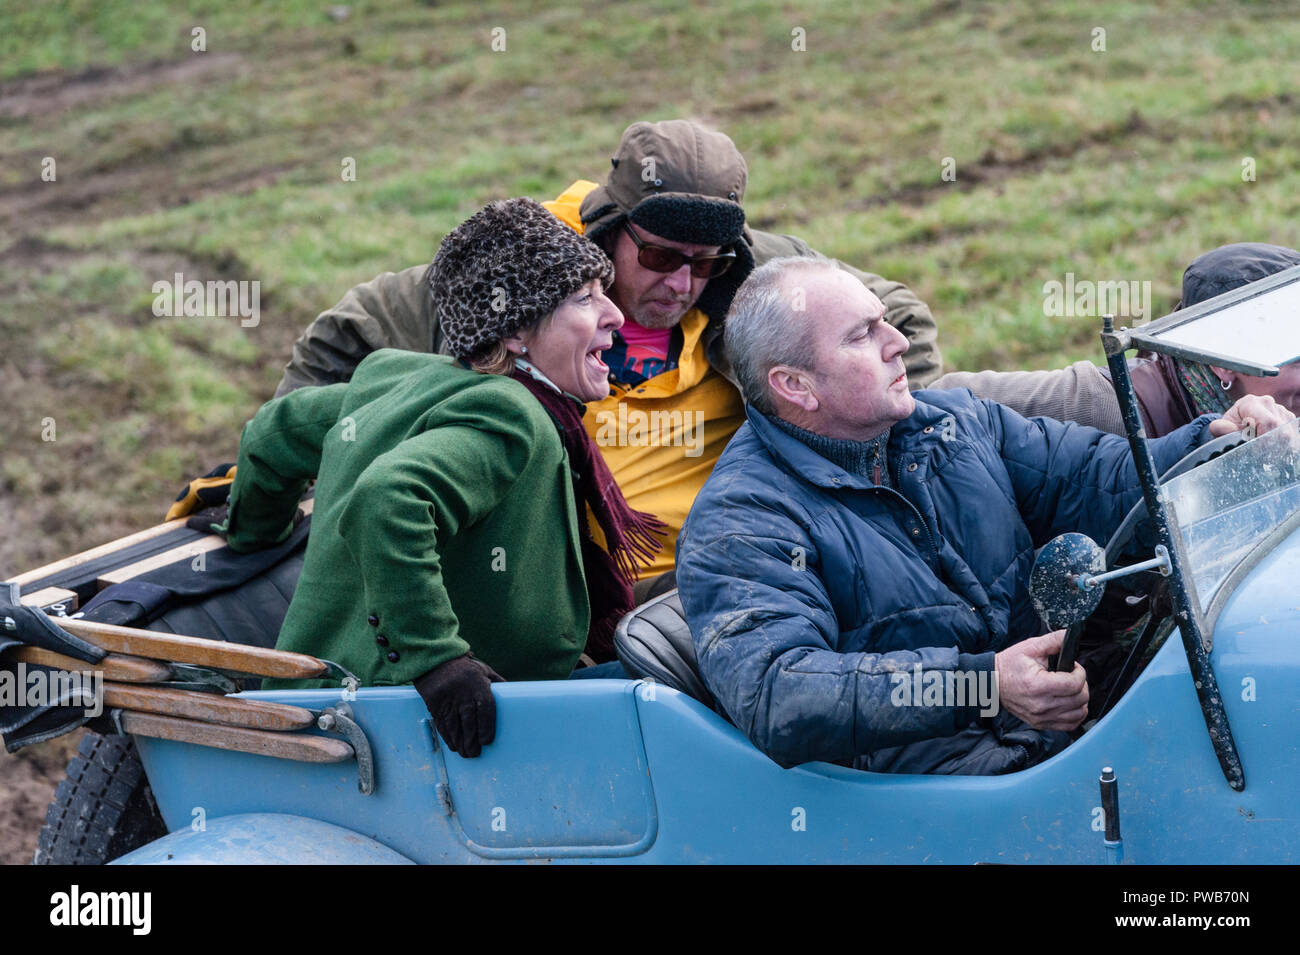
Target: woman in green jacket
449,545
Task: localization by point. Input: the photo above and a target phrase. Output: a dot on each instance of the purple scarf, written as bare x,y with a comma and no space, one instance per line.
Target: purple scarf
631,537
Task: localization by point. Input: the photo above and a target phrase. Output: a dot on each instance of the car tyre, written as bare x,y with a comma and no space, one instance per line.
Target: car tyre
102,809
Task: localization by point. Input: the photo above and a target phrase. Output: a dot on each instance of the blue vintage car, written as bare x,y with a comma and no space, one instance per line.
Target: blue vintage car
1195,758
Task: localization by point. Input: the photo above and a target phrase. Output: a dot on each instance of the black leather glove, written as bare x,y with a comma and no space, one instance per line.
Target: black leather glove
209,519
459,697
213,520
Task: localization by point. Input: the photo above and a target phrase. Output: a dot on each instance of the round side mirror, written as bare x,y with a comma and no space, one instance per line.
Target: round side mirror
1054,581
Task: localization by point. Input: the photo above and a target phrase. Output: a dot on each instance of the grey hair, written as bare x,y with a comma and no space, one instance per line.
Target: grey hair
765,329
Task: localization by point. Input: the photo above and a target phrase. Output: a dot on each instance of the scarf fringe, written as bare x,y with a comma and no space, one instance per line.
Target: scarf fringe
637,544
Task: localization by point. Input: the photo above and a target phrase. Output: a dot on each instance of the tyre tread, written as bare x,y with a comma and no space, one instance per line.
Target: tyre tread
102,809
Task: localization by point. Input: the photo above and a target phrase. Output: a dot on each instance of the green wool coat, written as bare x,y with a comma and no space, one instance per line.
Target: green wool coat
444,521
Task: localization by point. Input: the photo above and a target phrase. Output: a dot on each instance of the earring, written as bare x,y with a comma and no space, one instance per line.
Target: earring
1225,384
523,349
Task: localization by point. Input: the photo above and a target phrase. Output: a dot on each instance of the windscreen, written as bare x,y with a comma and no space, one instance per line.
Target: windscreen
1258,329
1227,507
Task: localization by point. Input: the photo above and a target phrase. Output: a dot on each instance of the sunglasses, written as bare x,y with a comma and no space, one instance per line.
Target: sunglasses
658,258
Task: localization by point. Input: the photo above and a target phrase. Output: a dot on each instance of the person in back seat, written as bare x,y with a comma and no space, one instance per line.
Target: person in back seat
448,547
1170,391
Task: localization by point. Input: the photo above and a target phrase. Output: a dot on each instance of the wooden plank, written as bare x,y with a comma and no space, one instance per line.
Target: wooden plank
256,661
295,746
209,707
96,552
103,550
183,552
115,666
48,597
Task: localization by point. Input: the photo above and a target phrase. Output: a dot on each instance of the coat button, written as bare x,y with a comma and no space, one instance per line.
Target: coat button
381,640
393,656
912,466
916,532
372,620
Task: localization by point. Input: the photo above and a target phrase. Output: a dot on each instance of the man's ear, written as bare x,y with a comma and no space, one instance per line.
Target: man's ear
793,385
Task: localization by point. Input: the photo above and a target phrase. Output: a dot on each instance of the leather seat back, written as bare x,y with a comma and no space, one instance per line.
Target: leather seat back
250,613
654,642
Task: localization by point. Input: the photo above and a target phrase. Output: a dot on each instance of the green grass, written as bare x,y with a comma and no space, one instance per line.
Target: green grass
1113,165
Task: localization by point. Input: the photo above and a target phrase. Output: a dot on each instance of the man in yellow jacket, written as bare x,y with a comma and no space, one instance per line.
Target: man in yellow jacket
670,216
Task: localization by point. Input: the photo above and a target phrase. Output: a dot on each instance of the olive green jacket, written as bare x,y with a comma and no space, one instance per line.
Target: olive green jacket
395,310
444,521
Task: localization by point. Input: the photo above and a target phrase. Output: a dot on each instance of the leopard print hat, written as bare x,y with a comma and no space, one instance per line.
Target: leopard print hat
506,268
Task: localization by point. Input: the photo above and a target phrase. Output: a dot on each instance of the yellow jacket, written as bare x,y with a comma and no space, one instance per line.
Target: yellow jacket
662,437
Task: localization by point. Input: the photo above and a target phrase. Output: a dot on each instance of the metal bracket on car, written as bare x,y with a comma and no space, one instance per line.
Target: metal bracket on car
1110,810
188,676
115,720
338,719
347,679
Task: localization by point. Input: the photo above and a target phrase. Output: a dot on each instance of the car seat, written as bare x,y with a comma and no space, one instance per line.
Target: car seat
654,643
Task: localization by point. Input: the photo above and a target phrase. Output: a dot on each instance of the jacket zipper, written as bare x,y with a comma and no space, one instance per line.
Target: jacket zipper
934,549
937,568
898,479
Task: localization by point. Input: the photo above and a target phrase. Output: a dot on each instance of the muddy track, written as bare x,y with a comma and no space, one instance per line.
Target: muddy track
59,90
148,186
993,168
146,179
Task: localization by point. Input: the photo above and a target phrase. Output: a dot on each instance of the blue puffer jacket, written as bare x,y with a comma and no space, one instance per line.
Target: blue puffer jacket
806,587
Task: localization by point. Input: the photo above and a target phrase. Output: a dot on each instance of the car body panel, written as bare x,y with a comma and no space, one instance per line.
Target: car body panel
263,839
629,771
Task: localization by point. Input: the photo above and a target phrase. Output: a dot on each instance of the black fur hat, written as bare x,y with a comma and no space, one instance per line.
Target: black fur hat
683,182
506,268
676,179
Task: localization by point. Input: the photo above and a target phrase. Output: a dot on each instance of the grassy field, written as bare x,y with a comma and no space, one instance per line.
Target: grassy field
225,164
1116,165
